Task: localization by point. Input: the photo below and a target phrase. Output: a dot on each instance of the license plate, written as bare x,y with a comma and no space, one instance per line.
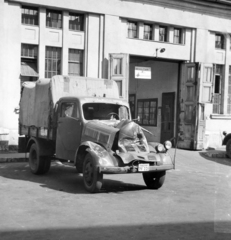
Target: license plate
143,167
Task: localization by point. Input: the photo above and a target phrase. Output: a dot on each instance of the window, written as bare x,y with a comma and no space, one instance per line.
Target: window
132,30
68,109
219,41
29,51
162,34
119,85
177,36
29,15
54,19
117,66
75,21
217,90
147,111
29,55
75,62
147,32
52,62
207,84
229,93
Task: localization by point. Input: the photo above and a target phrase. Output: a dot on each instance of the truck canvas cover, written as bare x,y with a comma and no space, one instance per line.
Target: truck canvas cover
38,98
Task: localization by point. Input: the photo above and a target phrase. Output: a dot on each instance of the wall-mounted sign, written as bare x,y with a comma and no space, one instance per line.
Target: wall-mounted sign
143,72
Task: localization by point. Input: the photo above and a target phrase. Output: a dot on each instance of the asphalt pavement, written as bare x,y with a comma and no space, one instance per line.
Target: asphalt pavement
194,202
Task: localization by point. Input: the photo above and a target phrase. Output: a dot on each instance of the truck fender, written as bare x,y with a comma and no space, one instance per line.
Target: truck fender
99,153
226,139
45,148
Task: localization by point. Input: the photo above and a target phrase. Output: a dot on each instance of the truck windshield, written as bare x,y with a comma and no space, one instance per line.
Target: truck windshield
104,111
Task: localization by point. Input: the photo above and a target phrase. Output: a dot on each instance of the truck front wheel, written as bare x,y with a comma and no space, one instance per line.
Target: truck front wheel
38,164
154,180
92,179
228,148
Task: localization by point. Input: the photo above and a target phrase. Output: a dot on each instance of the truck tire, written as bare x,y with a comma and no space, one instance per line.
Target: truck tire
38,164
228,148
154,180
92,179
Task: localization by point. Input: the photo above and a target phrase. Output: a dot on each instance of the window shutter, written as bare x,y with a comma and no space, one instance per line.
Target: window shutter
207,82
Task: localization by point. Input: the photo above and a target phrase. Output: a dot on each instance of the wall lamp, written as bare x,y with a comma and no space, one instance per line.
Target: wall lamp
161,50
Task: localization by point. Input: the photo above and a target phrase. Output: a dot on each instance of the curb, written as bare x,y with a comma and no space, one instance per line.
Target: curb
215,155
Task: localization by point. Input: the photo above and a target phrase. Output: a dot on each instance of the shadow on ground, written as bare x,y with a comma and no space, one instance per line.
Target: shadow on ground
168,231
62,178
224,161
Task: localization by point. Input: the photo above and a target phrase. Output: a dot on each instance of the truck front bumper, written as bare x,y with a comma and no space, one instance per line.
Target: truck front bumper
133,169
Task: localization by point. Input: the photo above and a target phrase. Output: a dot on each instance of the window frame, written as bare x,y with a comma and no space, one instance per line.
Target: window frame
177,38
57,60
52,20
77,62
165,35
219,44
217,97
149,32
132,30
27,16
149,100
81,22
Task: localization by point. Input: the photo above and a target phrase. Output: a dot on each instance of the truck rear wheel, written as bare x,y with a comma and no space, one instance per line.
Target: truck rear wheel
92,179
154,180
38,164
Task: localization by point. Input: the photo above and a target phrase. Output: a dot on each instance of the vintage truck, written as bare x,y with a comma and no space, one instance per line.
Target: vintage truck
84,121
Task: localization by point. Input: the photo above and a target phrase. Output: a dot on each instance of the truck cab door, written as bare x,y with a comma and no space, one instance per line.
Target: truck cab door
69,130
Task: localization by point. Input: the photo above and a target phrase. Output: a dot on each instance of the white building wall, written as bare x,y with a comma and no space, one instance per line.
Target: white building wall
106,32
10,66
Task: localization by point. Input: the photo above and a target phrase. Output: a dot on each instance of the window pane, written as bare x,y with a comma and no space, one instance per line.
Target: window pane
52,61
177,36
147,111
29,15
75,21
119,85
147,32
162,34
75,62
219,41
54,19
132,30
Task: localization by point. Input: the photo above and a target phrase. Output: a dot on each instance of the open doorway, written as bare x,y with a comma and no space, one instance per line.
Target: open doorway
153,87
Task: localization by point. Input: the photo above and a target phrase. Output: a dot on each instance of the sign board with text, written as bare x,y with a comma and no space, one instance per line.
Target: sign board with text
143,72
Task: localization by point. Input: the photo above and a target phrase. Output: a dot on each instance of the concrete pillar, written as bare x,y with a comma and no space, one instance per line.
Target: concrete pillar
65,49
42,47
140,30
170,34
156,33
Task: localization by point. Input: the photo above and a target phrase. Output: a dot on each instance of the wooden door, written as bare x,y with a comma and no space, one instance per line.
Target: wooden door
167,116
118,71
188,99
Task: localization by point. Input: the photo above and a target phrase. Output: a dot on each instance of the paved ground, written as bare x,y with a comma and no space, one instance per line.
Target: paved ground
194,203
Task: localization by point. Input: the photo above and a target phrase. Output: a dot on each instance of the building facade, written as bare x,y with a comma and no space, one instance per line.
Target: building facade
171,60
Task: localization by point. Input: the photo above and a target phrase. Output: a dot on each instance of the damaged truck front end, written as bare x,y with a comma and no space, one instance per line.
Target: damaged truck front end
117,147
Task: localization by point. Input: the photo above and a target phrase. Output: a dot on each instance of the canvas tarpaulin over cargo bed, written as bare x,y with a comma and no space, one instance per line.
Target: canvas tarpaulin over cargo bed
38,98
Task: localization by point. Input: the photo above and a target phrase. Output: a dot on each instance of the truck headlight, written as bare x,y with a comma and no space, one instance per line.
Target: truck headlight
160,148
167,145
